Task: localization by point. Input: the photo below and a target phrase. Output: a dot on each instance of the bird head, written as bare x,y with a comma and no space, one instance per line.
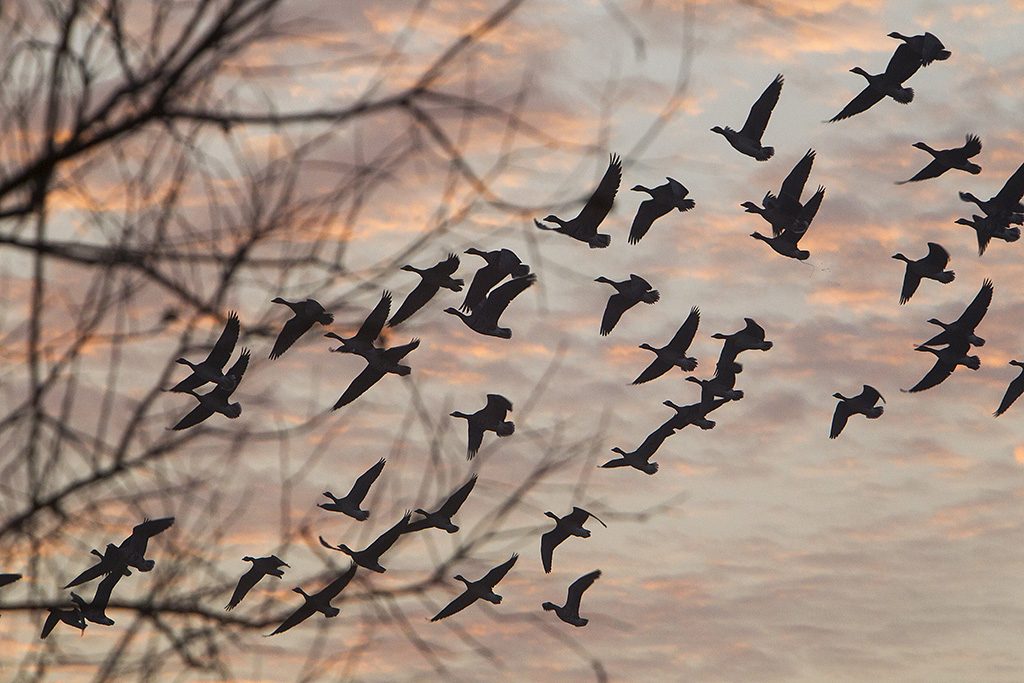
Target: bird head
647,347
408,268
900,257
278,300
549,606
839,396
1018,363
248,559
718,129
751,207
860,71
639,188
455,311
552,515
616,449
463,579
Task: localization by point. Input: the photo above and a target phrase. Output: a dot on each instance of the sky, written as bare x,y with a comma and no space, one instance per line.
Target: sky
892,553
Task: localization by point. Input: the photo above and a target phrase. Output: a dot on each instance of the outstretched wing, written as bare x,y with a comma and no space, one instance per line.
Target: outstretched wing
290,333
757,119
911,280
245,584
1013,392
1013,190
656,369
461,602
577,588
932,170
305,611
374,323
613,310
976,310
334,588
492,577
939,372
903,64
500,297
363,381
867,98
226,342
839,418
937,257
600,203
476,439
548,543
972,147
485,279
455,501
793,185
197,415
6,579
683,337
417,299
388,538
648,212
362,485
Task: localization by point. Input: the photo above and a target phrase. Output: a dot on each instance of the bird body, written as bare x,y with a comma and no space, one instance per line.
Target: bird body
903,64
569,525
431,280
379,362
490,418
640,458
946,159
750,338
481,589
483,319
863,403
95,611
57,615
931,267
318,602
210,369
926,46
369,557
946,360
628,293
1005,207
131,552
501,263
442,517
783,210
349,504
664,198
216,401
362,343
261,566
570,611
786,242
584,226
672,354
988,228
964,326
747,140
305,314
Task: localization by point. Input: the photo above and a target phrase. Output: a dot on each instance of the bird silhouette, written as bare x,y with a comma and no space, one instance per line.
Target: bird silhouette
861,404
318,602
750,338
785,243
673,354
584,226
1013,391
926,46
442,517
664,198
640,458
490,418
305,314
903,64
481,589
695,414
946,159
58,615
216,401
431,280
988,228
932,267
628,293
379,362
261,566
369,557
946,360
362,343
570,525
131,552
721,385
570,611
349,504
782,210
484,318
211,369
501,263
964,325
747,140
1005,206
95,611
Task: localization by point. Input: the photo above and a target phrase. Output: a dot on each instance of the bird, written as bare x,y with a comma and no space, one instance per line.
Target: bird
210,370
946,159
1005,206
431,280
490,418
261,566
987,228
570,525
7,579
861,404
628,293
931,267
783,209
350,503
484,318
673,354
501,263
750,338
570,611
946,360
1013,391
694,414
379,362
481,589
362,343
369,557
305,313
130,553
640,458
747,140
584,226
785,243
216,401
56,615
664,198
968,320
903,64
442,517
926,46
318,602
95,611
721,385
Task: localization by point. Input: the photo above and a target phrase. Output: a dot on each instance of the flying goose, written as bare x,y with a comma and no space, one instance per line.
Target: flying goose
1013,391
318,602
721,385
987,228
379,362
481,589
785,243
210,370
349,504
261,566
945,159
369,557
664,198
1005,207
861,404
640,458
216,401
95,611
693,414
56,615
570,611
442,517
750,338
501,263
130,553
584,226
628,293
963,327
903,64
490,418
431,280
673,354
783,209
926,46
946,360
570,525
931,267
484,318
362,343
747,140
305,313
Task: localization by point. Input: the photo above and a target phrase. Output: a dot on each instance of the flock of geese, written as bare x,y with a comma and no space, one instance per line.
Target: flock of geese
503,277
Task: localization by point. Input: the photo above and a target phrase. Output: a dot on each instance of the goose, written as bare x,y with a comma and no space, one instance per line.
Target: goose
927,46
946,159
431,280
963,327
216,401
349,504
1013,391
673,354
1005,207
693,414
721,385
640,458
56,615
861,404
570,611
210,370
130,553
903,64
501,263
490,418
664,198
584,226
7,579
987,228
305,313
750,338
442,517
380,362
628,293
785,243
95,611
570,525
261,566
931,267
484,318
481,589
362,343
369,557
783,209
946,360
747,140
318,602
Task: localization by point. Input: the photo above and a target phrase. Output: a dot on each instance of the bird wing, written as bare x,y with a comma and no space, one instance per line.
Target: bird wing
600,203
500,297
548,543
498,573
656,369
577,588
303,612
976,310
983,234
910,282
939,372
1013,190
237,371
476,438
52,619
455,501
485,279
580,516
972,147
374,323
388,538
683,337
757,119
397,353
245,584
447,266
677,189
497,406
461,602
197,415
334,588
648,212
151,527
867,98
613,310
932,170
903,64
870,395
1013,392
362,485
809,211
417,299
839,418
6,579
221,351
363,381
793,185
937,256
189,384
290,333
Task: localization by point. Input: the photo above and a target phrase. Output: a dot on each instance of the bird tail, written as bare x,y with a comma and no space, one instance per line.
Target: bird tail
973,362
651,297
600,241
550,606
649,468
765,154
506,428
875,412
904,95
326,318
403,370
946,276
1012,234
